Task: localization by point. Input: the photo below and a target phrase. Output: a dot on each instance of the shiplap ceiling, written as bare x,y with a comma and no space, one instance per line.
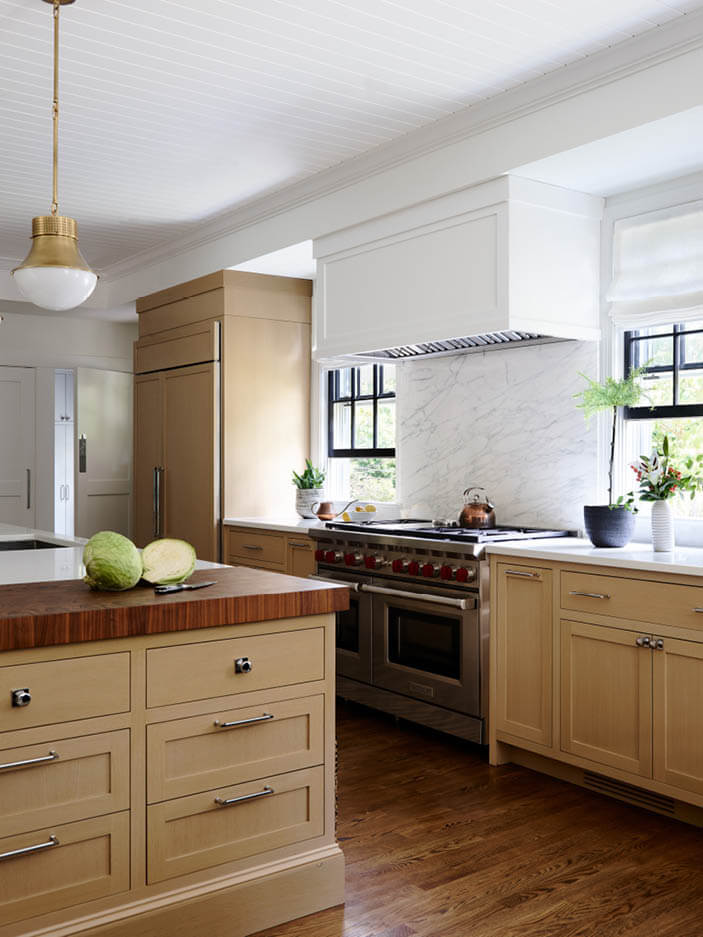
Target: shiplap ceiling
173,112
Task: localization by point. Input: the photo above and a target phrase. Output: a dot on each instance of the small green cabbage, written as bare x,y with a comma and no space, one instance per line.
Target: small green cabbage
167,562
112,562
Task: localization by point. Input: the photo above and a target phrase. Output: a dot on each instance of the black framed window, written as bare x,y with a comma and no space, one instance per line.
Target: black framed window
672,357
361,412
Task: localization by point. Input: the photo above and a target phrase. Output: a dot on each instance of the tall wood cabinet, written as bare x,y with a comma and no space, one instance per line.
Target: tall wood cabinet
222,397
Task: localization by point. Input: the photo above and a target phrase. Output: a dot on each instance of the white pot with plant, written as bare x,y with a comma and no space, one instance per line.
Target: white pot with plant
611,524
661,477
308,489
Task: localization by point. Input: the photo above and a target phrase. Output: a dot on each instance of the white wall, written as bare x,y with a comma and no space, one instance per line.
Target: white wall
505,420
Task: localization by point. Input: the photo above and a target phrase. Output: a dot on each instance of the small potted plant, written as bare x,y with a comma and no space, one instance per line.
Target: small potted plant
308,489
611,524
660,478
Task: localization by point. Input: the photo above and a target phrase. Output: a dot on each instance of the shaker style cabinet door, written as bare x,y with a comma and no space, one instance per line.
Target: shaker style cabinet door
606,696
524,652
678,713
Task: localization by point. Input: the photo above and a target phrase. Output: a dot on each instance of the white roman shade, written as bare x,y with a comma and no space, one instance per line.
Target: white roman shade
658,267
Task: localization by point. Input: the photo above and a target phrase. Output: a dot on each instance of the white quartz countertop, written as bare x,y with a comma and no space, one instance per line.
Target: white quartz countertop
686,561
46,564
292,524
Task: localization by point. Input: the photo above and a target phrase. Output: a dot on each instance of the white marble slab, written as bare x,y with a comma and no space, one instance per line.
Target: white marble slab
505,420
687,561
289,525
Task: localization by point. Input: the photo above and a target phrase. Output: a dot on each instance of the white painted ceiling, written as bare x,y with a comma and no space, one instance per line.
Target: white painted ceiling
173,112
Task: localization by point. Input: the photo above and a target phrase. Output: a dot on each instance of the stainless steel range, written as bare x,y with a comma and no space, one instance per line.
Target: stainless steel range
414,641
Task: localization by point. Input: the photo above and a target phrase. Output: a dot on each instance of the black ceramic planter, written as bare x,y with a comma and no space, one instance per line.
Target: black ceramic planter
608,527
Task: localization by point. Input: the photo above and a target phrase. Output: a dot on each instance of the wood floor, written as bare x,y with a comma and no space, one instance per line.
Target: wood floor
439,844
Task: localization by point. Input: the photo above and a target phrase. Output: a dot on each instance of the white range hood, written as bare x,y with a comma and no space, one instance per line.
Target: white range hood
503,264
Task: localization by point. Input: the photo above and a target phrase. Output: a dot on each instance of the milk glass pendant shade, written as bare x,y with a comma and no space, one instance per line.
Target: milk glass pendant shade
54,274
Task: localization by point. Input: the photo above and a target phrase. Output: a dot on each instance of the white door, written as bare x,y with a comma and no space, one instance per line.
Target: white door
63,479
17,446
103,458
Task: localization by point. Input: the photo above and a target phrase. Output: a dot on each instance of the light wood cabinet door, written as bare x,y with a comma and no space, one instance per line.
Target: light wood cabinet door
678,713
524,652
606,696
148,454
301,557
191,458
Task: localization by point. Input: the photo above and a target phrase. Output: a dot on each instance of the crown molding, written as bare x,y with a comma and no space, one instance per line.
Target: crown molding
629,58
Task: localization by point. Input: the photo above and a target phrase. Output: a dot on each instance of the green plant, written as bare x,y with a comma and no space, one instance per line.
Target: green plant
311,478
660,477
609,395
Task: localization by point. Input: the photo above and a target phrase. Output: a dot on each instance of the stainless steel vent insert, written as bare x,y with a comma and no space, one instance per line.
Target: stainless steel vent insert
611,787
489,341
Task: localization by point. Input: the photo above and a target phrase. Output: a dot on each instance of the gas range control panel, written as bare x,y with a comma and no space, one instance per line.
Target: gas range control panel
403,565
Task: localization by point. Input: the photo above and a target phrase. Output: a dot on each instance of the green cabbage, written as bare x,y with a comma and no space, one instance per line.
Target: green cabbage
167,561
112,562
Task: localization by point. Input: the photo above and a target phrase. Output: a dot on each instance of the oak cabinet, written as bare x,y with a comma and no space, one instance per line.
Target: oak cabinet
300,557
524,652
678,713
274,550
606,696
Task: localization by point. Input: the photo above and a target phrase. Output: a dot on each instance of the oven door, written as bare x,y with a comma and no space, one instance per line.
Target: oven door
353,628
426,644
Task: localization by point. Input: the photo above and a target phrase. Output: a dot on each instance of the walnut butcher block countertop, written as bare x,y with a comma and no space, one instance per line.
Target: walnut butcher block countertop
40,614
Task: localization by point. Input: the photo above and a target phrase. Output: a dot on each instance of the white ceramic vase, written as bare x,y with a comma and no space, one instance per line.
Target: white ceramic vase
662,527
305,498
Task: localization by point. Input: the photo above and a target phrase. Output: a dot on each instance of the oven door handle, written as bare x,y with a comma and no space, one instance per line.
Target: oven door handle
418,596
354,586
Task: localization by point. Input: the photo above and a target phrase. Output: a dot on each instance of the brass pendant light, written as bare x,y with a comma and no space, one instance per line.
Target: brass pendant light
54,275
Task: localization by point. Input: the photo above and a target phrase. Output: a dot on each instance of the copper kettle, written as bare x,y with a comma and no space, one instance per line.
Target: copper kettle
477,511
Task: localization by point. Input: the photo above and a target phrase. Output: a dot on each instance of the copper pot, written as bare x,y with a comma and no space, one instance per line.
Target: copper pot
477,511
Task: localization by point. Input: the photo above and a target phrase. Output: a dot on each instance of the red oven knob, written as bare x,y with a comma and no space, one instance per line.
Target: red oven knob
319,556
447,572
429,570
413,567
353,559
333,556
373,561
463,574
400,566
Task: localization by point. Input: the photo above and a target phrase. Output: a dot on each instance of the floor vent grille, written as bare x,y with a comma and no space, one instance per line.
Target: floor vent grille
633,795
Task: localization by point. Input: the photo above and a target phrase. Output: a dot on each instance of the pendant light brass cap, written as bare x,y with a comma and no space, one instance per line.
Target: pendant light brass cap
54,244
59,225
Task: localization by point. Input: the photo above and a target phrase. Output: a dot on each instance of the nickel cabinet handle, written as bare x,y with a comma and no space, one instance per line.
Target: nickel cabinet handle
252,546
29,488
644,641
298,543
28,850
522,573
241,722
591,595
658,645
700,610
28,762
230,802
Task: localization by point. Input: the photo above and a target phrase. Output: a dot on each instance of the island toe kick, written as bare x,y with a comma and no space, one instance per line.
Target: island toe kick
169,785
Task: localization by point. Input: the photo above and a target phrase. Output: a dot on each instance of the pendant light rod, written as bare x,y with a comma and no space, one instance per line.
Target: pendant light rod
55,113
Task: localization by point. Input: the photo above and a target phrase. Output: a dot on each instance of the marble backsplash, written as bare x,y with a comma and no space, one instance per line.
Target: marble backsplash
505,420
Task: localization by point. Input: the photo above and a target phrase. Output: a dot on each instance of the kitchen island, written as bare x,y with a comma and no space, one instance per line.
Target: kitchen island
597,668
167,762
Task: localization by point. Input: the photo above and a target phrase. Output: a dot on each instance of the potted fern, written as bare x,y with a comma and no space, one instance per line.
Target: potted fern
308,488
611,524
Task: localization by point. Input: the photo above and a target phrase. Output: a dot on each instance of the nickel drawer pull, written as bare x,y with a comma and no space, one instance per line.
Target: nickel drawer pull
299,543
591,595
243,722
52,756
523,573
28,850
698,610
252,546
223,802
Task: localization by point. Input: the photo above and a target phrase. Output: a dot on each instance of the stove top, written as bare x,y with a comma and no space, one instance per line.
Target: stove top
427,530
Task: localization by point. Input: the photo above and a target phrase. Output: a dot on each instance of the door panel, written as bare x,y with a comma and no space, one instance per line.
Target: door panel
524,650
148,453
104,478
606,706
191,457
678,714
17,454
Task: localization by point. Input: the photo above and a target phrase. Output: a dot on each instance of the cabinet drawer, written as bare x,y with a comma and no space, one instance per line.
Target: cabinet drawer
633,599
256,546
64,690
83,861
197,832
63,780
202,671
204,752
